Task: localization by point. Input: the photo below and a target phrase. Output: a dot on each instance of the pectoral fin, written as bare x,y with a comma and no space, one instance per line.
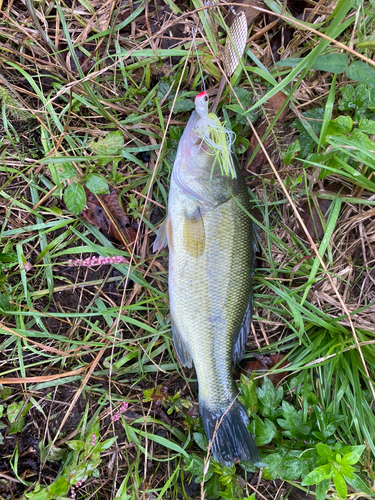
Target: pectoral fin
194,236
164,236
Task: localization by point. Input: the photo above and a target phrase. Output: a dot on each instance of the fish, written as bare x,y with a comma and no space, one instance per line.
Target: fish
212,244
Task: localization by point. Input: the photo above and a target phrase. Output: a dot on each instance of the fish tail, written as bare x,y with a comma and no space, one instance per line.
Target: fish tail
227,429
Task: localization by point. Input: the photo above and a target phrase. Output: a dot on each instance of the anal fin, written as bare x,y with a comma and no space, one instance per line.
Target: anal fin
181,347
239,345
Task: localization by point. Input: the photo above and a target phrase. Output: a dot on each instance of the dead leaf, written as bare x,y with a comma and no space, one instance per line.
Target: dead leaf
247,7
104,212
263,364
271,108
313,215
158,396
85,62
192,411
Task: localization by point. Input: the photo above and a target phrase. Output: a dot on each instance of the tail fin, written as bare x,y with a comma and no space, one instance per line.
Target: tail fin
232,441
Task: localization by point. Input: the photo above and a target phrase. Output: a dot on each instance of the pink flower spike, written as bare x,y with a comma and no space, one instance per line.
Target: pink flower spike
93,439
95,260
123,407
27,266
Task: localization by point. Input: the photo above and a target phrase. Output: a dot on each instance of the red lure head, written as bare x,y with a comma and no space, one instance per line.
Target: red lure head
201,104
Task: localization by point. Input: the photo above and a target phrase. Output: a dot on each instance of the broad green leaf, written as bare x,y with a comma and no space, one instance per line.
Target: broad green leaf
324,450
14,409
246,98
323,472
242,145
4,302
286,465
293,149
309,125
321,489
248,395
240,117
201,440
272,461
291,469
353,456
212,488
97,184
264,431
367,126
8,257
340,485
360,146
110,145
105,444
359,98
52,453
5,392
58,488
66,171
75,198
346,470
76,445
292,423
333,63
327,422
182,105
340,125
269,398
357,483
195,466
17,426
361,72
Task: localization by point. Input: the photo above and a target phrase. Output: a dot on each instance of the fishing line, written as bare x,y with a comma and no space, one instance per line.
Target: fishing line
193,32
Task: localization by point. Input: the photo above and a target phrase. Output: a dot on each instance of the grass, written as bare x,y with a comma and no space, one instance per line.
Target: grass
87,351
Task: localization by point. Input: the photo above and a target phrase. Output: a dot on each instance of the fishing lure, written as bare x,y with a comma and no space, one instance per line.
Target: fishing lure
214,134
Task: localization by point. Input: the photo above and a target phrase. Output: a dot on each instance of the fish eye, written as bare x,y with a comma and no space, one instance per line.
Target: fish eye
205,98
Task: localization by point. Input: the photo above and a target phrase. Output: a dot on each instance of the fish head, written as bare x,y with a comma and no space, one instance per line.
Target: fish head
193,169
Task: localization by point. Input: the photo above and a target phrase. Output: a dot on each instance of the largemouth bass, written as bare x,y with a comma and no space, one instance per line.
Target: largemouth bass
211,259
